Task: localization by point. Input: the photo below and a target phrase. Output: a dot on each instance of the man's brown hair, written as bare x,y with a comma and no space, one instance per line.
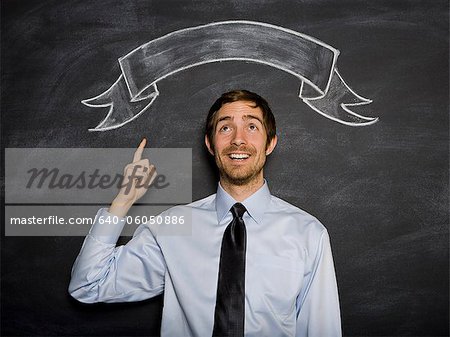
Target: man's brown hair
245,96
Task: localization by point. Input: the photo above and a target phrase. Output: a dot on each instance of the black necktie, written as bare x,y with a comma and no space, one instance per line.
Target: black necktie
230,303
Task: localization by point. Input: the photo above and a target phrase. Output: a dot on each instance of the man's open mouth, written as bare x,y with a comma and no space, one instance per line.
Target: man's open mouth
238,156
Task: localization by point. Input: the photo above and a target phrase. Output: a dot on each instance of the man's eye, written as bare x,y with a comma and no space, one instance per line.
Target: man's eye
224,128
253,127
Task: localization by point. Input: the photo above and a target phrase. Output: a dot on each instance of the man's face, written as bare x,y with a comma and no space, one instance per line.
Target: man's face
240,143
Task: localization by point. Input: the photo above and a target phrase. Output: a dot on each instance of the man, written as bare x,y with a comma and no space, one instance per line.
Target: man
253,265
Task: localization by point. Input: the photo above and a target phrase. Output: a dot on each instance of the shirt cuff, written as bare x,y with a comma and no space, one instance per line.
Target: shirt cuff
107,227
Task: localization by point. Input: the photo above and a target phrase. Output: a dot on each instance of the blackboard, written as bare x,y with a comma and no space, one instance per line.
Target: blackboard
381,190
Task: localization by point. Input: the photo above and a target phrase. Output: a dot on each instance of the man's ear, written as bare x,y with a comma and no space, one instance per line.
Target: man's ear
208,145
271,146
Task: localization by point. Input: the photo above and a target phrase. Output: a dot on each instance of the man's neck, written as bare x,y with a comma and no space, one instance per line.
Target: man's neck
242,192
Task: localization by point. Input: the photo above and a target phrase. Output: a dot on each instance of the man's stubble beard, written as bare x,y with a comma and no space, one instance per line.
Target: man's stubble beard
237,177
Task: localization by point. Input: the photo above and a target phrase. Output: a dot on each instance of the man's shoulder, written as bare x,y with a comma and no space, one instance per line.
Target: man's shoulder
178,220
286,209
206,204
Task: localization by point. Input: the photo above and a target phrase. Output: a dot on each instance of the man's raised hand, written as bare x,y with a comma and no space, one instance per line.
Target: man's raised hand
137,177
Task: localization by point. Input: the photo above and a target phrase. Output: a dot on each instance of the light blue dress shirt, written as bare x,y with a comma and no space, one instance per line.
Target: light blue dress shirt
290,284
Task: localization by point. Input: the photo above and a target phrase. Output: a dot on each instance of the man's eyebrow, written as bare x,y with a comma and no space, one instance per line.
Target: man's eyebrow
252,117
225,118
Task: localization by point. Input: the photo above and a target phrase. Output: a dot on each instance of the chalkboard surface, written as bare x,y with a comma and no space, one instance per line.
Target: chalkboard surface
381,190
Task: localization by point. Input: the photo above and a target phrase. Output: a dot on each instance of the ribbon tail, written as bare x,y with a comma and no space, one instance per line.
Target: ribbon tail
335,102
122,107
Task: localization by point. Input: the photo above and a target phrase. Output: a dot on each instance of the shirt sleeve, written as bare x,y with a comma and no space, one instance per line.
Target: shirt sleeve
104,272
318,313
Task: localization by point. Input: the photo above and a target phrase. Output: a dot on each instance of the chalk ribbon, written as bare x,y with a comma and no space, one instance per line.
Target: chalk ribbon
310,60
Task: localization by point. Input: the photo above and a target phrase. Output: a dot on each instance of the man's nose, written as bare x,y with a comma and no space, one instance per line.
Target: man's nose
238,137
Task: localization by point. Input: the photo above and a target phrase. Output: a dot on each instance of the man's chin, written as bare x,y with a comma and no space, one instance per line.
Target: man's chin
239,179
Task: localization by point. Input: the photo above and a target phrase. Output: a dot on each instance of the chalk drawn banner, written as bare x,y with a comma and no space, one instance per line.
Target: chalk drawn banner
312,61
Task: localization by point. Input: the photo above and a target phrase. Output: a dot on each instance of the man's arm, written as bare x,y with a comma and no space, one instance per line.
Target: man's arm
103,272
318,313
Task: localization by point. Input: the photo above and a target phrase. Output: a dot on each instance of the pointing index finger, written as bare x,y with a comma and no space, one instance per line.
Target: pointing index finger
138,154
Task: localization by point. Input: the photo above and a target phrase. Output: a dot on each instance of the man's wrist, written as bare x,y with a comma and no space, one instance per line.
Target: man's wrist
120,208
107,227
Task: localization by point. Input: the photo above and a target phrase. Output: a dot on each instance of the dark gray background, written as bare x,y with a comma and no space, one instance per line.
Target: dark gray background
382,190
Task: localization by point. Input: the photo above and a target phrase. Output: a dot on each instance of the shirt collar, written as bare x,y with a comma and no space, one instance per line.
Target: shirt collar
255,204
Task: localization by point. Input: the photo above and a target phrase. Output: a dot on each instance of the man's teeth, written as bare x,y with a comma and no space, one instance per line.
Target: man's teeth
239,156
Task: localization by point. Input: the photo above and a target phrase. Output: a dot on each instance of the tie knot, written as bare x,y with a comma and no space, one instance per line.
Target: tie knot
238,210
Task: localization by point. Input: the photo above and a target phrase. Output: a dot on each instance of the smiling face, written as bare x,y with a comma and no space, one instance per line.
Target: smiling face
240,143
